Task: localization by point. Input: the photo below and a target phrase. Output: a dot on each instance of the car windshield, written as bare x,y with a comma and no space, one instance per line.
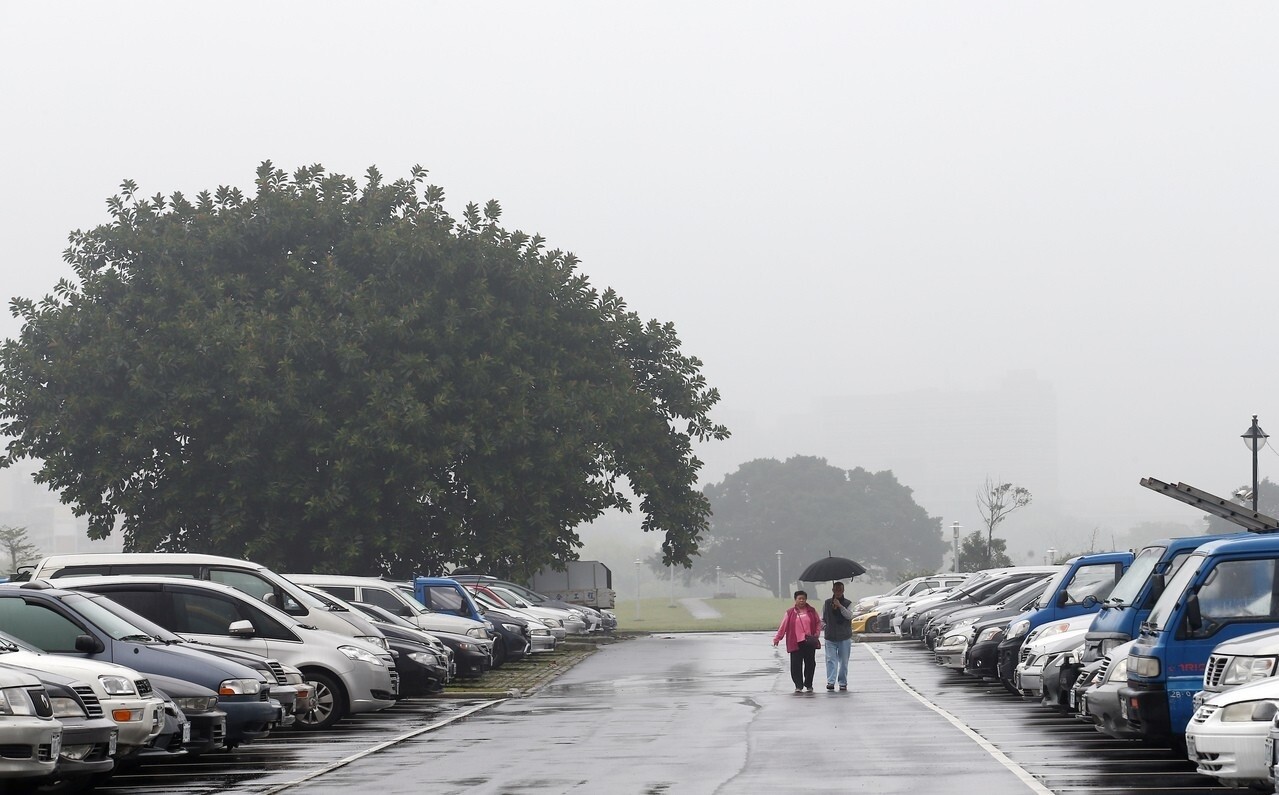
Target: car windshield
509,597
1167,603
141,624
382,614
1125,591
118,627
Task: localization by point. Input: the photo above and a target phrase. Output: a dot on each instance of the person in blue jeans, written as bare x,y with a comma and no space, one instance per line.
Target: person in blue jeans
837,615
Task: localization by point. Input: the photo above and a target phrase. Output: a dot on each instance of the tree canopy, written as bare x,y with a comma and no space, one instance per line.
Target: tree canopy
335,376
806,508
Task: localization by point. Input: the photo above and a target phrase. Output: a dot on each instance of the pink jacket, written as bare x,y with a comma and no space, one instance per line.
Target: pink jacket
794,627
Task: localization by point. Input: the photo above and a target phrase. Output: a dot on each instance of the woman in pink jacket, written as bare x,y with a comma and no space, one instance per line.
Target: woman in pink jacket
801,626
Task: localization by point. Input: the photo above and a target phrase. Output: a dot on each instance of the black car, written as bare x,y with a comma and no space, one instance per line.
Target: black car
983,651
385,620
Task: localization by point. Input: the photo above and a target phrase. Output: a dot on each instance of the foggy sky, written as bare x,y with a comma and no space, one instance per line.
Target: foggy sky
828,199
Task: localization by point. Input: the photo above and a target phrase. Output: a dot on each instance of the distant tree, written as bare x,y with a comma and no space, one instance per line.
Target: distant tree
995,501
332,375
13,540
807,508
973,554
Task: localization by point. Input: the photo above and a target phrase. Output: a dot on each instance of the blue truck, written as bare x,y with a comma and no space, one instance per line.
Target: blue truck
1224,589
1122,613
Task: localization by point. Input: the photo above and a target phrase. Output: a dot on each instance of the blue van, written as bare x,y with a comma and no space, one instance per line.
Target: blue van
444,595
1129,603
1079,588
1226,588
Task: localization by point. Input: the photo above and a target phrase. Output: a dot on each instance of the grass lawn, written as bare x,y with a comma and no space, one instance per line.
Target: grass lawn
656,615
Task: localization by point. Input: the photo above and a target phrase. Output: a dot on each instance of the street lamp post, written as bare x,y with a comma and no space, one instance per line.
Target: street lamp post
1051,556
780,592
672,602
954,528
717,580
637,589
1255,439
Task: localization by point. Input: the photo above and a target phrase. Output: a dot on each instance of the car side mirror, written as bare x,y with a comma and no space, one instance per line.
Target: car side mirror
1062,598
241,629
1090,601
1194,619
88,644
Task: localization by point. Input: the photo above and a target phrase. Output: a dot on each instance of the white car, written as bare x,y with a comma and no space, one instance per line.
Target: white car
27,723
125,694
1044,643
1227,735
390,596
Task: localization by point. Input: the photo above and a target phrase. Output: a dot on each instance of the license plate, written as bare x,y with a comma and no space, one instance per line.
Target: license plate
1123,709
1270,750
1190,748
1017,679
111,744
55,744
1071,699
186,732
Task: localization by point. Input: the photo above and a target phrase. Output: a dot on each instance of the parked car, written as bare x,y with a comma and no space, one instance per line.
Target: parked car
1044,644
607,619
536,633
89,737
1099,697
1226,736
422,670
957,628
386,620
90,625
389,595
251,578
30,737
347,675
125,694
556,621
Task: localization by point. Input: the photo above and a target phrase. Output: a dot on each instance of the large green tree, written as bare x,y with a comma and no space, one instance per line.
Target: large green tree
339,376
806,508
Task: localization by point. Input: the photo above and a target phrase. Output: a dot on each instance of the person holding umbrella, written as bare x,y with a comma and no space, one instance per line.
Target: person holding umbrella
837,618
801,626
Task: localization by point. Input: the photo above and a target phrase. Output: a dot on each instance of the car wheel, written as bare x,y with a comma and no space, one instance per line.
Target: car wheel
499,651
329,704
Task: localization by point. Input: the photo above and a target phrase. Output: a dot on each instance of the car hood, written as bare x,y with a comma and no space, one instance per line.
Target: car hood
1261,690
1256,644
443,622
1062,641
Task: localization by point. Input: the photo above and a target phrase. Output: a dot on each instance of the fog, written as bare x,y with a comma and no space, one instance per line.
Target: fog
1029,241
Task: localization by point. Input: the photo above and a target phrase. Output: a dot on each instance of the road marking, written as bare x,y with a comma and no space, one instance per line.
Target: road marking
329,768
999,756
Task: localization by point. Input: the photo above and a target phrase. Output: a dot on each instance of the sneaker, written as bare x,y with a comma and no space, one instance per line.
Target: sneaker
799,690
809,689
843,687
830,686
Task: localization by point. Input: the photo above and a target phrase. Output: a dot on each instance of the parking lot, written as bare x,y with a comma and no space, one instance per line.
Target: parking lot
717,713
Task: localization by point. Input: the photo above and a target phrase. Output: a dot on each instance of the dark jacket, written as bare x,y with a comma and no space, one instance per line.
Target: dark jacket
837,617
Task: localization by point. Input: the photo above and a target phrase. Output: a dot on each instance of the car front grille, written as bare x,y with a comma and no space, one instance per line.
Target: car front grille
40,698
91,703
144,687
1101,672
278,671
1023,655
1203,713
1214,670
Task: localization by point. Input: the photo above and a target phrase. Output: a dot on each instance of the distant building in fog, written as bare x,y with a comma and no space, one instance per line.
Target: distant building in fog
50,525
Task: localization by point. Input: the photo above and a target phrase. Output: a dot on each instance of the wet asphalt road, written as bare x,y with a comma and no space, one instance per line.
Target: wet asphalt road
702,713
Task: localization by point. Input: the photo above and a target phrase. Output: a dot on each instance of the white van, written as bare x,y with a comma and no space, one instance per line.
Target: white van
253,579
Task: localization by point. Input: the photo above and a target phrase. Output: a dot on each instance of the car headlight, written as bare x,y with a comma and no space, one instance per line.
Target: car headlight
197,703
954,640
1143,666
1243,711
1247,669
538,631
967,622
238,687
15,701
1019,629
1118,670
64,707
477,632
356,653
376,640
424,658
117,685
1109,643
989,634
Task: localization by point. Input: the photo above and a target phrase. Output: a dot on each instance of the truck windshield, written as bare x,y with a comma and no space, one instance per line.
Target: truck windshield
1126,590
1163,610
1045,598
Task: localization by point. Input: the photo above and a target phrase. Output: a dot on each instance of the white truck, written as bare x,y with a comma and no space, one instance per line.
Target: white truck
583,582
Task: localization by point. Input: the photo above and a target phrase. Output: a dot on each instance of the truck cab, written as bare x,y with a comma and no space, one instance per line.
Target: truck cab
1081,587
1225,589
1123,612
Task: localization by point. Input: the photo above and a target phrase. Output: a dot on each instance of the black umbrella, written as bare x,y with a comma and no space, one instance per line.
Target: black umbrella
831,568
